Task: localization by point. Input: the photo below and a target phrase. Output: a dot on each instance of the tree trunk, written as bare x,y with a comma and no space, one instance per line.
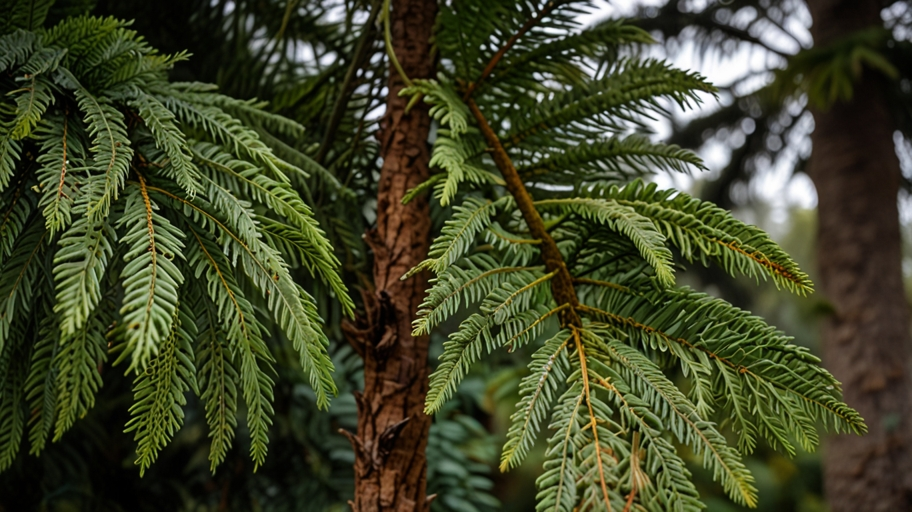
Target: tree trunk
866,341
390,463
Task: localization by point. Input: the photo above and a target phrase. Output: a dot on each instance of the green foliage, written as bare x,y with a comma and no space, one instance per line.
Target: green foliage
626,221
634,368
150,277
469,219
144,221
701,231
168,376
547,375
25,14
615,159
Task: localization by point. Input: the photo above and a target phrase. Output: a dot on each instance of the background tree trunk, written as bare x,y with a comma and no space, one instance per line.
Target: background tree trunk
390,463
866,341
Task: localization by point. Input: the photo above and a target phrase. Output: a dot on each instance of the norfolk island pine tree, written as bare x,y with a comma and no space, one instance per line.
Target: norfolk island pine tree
622,332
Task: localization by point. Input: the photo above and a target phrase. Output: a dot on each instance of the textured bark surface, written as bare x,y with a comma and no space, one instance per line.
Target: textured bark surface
390,463
866,340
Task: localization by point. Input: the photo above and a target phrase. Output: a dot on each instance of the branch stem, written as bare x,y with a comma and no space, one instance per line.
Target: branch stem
562,283
388,40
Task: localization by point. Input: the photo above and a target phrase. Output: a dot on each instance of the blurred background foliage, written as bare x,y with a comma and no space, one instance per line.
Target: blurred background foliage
322,63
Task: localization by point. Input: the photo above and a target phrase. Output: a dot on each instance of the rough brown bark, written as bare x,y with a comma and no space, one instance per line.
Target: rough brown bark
390,463
866,341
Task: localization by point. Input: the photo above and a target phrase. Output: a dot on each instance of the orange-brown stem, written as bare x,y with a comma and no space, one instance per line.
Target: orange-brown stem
562,283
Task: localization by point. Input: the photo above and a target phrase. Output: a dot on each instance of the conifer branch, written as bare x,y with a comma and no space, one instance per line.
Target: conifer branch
562,284
532,22
606,248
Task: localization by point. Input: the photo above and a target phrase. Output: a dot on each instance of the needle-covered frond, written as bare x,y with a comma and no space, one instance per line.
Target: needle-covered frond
547,376
13,412
616,159
17,209
40,386
469,281
476,29
216,377
168,138
77,376
150,277
447,106
624,94
768,385
61,143
10,150
80,264
459,233
312,248
626,221
134,215
511,314
558,481
229,316
560,57
18,277
453,155
639,382
592,260
109,147
704,232
664,480
159,391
